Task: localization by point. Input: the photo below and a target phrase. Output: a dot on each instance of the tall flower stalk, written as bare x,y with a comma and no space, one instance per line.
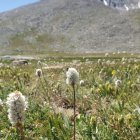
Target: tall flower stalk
74,109
117,85
73,79
42,78
16,113
1,104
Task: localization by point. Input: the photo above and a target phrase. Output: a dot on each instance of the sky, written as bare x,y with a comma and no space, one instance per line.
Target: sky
6,5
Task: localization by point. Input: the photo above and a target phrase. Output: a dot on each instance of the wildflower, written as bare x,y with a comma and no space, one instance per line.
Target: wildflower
135,60
102,74
113,63
137,110
1,65
93,120
123,63
98,90
72,79
114,72
123,59
118,83
72,76
39,62
128,118
108,62
99,61
17,105
106,54
38,72
82,83
1,103
91,70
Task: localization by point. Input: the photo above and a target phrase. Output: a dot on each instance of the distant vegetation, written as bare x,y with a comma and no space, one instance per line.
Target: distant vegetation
31,42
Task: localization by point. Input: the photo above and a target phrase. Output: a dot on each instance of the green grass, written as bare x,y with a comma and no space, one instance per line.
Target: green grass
31,42
103,113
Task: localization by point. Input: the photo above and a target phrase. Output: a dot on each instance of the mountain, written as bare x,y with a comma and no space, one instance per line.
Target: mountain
122,4
74,26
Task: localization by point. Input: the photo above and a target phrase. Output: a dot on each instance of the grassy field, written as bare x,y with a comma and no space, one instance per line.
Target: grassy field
104,111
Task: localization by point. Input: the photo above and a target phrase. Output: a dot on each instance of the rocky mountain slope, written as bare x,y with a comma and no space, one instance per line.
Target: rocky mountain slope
122,4
69,26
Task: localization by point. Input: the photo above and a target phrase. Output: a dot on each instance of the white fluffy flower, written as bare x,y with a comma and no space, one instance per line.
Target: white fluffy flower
118,83
1,103
38,72
82,82
17,104
106,54
72,76
137,109
99,61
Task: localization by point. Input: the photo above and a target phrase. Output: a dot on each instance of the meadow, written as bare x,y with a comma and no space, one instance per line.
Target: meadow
104,110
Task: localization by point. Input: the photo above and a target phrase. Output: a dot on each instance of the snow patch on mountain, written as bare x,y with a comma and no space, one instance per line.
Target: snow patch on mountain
122,4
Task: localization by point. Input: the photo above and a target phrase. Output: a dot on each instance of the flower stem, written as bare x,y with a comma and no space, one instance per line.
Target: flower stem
19,127
74,109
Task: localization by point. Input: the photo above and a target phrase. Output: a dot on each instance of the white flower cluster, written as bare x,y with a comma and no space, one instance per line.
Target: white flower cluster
17,104
72,76
38,72
118,83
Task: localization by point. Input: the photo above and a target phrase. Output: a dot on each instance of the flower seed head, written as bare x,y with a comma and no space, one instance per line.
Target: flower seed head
38,72
82,83
118,83
1,103
17,104
72,76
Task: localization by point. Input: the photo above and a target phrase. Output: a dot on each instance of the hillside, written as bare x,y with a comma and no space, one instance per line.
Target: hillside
69,26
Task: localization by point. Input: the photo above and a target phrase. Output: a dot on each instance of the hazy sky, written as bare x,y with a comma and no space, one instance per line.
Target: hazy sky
6,5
